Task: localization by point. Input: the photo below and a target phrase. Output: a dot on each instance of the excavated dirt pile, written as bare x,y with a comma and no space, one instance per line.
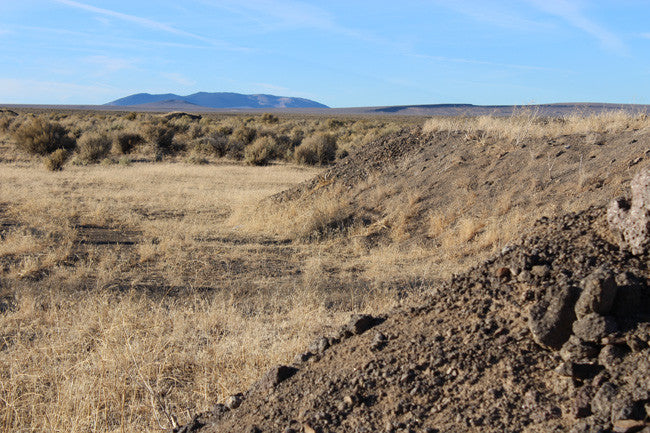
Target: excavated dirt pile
405,178
550,335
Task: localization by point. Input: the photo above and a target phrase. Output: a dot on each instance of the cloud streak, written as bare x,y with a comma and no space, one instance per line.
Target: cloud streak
283,14
571,12
150,24
491,13
116,42
488,63
179,79
28,91
111,64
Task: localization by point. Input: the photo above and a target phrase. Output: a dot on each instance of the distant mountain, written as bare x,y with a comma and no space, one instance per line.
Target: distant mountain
168,104
217,100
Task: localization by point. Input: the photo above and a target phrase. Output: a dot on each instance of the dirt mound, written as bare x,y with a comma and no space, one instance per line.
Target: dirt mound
515,344
416,186
550,334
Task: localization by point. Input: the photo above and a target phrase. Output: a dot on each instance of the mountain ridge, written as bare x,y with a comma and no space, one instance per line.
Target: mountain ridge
219,100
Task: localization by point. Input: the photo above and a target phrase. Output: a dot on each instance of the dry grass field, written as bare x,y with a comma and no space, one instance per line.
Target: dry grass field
139,287
131,297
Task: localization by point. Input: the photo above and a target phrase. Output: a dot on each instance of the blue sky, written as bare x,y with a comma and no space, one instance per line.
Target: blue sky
340,53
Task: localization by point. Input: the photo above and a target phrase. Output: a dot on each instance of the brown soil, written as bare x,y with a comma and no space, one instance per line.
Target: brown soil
465,359
471,173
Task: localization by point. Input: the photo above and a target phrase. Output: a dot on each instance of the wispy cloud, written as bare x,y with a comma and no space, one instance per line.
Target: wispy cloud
266,87
148,23
572,13
116,42
179,79
29,91
645,35
491,13
273,15
488,63
111,64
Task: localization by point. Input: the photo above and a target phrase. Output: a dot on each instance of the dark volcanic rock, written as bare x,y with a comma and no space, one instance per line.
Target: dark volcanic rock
275,376
594,327
550,320
598,294
577,350
360,323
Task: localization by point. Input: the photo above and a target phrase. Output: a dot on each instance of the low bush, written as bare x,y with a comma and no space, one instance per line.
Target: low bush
161,136
316,149
223,130
6,119
243,135
56,160
125,142
41,137
93,146
269,118
216,145
260,151
196,131
334,123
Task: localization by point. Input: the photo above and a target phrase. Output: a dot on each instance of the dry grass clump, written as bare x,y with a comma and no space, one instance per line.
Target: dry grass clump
311,218
527,123
56,160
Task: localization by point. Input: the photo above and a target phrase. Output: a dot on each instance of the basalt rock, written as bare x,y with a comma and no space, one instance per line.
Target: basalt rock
550,319
598,294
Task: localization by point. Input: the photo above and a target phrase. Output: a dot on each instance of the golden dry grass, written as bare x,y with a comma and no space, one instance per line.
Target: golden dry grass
112,338
527,123
212,284
536,167
126,362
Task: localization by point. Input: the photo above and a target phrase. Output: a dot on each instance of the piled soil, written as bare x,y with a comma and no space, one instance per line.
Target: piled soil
470,358
551,334
408,175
